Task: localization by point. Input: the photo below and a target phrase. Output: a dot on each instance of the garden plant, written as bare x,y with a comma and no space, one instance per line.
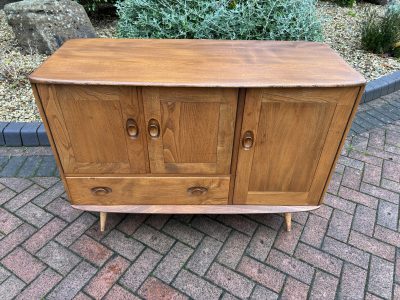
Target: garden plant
220,19
381,34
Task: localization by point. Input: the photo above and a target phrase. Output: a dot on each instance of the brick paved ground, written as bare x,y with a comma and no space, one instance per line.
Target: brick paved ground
348,249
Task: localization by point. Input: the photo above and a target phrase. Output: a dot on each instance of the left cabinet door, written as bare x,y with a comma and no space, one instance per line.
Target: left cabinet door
96,129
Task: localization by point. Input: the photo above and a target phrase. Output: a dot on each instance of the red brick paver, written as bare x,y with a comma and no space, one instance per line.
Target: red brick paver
23,264
347,249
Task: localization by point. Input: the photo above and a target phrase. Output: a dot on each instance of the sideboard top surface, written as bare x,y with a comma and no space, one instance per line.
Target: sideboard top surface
196,63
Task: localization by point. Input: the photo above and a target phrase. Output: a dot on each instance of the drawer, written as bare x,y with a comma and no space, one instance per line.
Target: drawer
148,190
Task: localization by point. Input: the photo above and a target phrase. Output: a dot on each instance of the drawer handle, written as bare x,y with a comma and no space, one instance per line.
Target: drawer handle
248,140
153,128
101,190
132,128
197,190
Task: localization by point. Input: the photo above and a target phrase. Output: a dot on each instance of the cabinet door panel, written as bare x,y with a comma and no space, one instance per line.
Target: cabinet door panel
290,136
197,119
297,133
88,124
196,129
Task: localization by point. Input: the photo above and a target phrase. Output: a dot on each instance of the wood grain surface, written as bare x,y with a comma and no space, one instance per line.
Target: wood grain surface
88,124
196,129
195,209
148,125
196,63
297,133
149,190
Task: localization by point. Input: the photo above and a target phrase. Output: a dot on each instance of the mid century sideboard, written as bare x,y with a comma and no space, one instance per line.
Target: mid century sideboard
196,126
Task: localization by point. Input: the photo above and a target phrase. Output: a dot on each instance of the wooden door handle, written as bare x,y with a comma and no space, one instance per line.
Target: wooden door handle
248,140
101,190
197,190
132,128
153,128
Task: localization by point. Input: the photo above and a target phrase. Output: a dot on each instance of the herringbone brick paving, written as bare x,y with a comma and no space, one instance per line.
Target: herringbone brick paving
347,249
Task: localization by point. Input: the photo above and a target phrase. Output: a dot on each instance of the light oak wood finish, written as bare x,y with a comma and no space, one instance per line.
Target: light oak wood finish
149,190
297,133
236,141
288,221
198,209
196,126
89,128
345,133
103,220
50,137
196,63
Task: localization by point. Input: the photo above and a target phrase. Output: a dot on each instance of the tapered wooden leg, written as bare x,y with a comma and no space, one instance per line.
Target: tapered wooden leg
288,221
103,219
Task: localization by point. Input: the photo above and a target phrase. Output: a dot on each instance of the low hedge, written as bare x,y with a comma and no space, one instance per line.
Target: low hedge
219,19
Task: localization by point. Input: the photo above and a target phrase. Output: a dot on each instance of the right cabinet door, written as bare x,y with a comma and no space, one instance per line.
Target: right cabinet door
289,141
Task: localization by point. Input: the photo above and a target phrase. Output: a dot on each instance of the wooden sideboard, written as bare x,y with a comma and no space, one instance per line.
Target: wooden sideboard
196,126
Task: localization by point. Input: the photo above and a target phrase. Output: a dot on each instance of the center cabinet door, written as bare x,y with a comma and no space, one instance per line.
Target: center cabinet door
190,130
289,141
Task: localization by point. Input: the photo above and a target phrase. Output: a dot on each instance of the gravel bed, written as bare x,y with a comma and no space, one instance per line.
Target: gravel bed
341,28
16,99
342,32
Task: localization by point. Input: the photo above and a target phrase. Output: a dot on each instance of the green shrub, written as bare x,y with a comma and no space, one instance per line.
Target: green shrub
381,33
396,52
394,7
348,3
219,19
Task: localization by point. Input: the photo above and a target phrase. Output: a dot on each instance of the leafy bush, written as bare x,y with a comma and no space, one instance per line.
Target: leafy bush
219,19
396,51
381,33
394,7
348,3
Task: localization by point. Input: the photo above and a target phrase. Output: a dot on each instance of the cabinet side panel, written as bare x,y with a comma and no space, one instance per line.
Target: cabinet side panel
353,99
50,135
56,123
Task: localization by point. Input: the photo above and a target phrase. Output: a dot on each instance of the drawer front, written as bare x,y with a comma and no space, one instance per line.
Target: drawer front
148,190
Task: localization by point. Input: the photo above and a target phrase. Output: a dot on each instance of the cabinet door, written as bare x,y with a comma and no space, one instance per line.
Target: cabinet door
96,129
289,141
190,130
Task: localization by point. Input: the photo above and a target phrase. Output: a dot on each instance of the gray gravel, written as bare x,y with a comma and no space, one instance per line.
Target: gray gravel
342,32
16,98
